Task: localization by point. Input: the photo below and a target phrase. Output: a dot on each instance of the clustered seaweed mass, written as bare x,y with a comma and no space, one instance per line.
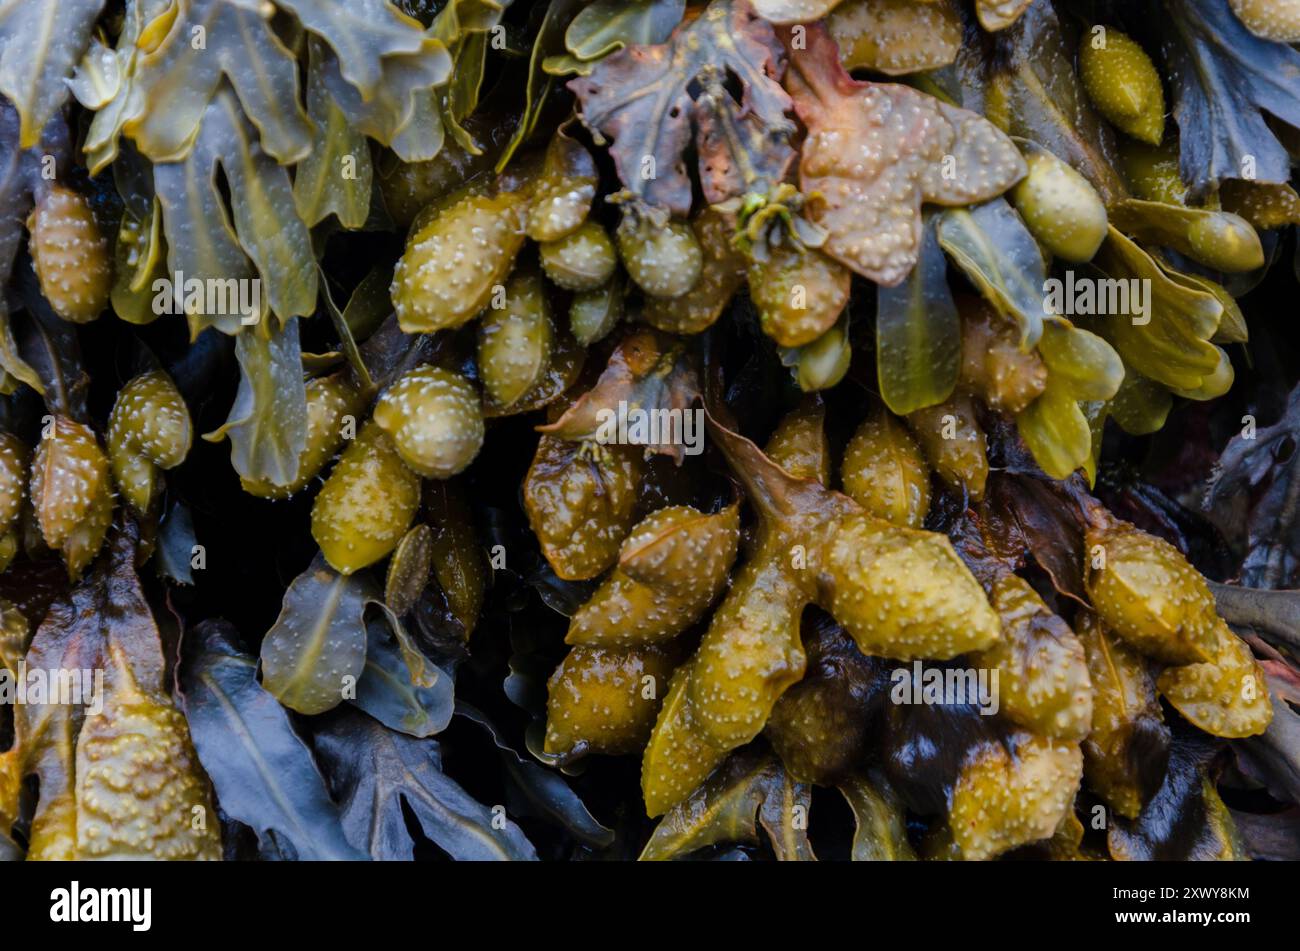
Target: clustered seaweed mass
966,310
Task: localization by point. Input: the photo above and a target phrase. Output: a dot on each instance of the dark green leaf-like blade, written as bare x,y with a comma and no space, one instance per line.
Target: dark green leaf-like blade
201,243
550,37
50,348
464,16
344,329
724,809
335,178
404,692
39,45
881,833
1039,97
409,569
11,360
1172,347
206,43
263,773
362,33
992,245
374,771
1224,80
608,25
21,176
267,425
176,541
403,114
370,304
388,352
314,654
545,790
784,816
463,28
918,333
461,96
